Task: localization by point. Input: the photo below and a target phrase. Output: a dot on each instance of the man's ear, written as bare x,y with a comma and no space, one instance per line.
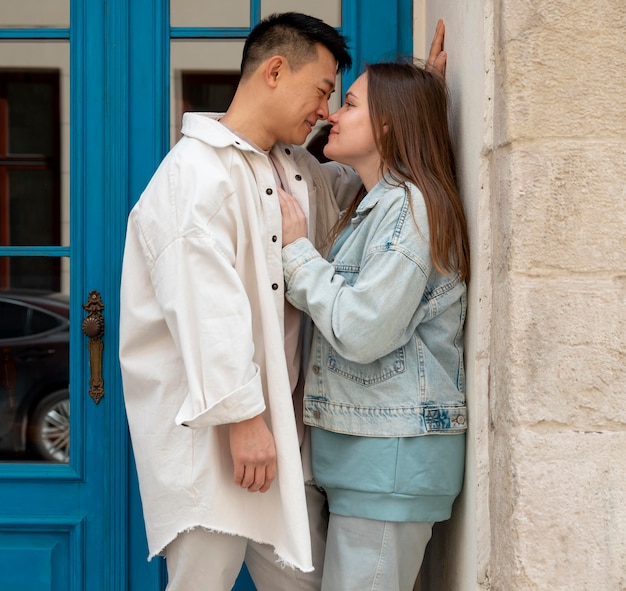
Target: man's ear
274,68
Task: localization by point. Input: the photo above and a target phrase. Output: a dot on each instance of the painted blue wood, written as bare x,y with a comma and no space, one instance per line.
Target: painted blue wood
116,164
89,203
148,95
376,31
244,581
93,488
350,30
148,140
78,134
51,251
209,33
47,506
255,12
26,33
39,556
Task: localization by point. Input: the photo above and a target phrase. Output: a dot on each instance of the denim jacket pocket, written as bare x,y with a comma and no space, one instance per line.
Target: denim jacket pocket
369,374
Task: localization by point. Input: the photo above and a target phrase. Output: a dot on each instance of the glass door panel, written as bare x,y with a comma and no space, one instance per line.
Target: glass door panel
203,77
329,10
191,13
34,231
35,13
35,364
34,143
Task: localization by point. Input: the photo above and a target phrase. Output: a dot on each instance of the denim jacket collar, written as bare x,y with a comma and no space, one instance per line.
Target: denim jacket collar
371,199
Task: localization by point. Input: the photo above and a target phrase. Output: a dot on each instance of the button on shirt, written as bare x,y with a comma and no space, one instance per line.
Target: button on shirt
292,315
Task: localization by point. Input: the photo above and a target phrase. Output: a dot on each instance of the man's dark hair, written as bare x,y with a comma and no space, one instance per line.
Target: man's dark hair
294,36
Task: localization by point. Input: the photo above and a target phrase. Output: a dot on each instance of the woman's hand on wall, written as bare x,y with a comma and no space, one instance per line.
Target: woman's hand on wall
437,57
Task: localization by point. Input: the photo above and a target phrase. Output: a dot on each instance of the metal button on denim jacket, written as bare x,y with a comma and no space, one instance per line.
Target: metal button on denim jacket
387,352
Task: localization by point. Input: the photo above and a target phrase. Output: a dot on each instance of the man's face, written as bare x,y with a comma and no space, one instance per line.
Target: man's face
304,96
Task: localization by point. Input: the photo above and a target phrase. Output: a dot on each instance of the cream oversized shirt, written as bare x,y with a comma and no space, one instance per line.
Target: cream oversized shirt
201,334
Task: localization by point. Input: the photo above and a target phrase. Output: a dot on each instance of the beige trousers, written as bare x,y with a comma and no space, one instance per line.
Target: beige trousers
200,560
371,555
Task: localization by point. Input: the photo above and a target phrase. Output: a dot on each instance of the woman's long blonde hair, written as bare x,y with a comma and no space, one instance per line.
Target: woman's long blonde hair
409,112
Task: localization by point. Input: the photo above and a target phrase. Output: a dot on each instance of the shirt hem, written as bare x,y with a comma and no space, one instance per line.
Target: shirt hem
280,559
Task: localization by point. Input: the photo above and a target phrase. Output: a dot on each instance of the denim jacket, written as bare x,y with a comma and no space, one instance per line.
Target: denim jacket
387,351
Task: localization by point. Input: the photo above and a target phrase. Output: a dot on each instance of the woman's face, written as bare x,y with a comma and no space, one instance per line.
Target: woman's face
351,140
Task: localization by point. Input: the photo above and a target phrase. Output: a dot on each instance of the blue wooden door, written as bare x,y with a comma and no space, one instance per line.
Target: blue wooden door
91,93
63,481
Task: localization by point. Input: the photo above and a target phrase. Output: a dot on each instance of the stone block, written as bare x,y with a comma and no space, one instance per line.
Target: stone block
567,528
561,70
561,354
561,207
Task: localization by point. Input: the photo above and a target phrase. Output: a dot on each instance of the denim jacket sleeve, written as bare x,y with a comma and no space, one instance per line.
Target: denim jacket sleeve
367,302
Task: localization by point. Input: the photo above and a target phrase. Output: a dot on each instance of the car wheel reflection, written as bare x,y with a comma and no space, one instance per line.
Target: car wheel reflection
34,376
50,427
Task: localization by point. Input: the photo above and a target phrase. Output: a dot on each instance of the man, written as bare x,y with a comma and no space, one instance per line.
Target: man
208,348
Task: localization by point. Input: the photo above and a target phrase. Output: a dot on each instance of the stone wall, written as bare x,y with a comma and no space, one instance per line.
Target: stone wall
551,201
558,363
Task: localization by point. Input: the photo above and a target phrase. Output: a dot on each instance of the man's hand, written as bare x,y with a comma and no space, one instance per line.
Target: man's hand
437,57
254,454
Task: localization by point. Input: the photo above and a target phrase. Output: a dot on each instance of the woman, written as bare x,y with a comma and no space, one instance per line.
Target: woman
384,388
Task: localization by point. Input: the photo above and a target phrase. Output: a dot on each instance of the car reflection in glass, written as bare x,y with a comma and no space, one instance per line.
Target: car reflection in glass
34,377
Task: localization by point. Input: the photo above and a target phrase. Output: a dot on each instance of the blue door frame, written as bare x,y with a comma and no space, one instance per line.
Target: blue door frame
62,526
119,119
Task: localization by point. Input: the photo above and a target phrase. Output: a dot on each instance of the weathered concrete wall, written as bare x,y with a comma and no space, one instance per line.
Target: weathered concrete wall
548,324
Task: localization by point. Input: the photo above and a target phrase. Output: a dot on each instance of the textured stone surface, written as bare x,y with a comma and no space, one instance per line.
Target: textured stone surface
567,351
563,64
566,523
540,125
566,206
558,323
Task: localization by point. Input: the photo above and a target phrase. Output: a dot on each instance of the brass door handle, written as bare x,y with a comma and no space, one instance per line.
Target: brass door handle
93,327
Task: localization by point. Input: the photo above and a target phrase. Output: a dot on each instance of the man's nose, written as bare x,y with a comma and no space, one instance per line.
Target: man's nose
323,111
